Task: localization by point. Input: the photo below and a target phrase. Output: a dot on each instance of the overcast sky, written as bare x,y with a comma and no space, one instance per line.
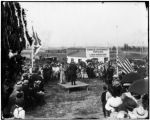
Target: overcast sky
88,23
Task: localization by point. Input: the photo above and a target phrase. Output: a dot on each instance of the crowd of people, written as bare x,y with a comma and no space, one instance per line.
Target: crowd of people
28,87
66,72
119,102
28,90
25,90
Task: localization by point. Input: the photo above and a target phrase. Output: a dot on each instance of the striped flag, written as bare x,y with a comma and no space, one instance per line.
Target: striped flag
36,43
124,64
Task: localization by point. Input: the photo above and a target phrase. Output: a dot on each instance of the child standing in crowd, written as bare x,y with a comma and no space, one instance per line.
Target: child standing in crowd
103,100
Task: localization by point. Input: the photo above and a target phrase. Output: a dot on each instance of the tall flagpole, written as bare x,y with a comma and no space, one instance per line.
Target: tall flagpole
116,61
117,53
32,57
32,50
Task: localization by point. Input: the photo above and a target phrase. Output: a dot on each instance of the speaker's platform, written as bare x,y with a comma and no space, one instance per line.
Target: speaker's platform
69,86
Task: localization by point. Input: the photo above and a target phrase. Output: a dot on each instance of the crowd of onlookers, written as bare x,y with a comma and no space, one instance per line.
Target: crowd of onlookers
28,90
26,93
119,102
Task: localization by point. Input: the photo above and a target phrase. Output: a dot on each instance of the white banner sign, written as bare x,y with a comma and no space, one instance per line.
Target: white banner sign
97,52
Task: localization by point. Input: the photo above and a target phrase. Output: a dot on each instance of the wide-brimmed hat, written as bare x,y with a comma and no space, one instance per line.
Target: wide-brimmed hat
115,76
146,78
19,83
25,74
113,103
41,93
20,99
126,84
113,115
140,112
19,95
19,113
129,103
128,94
18,86
116,83
25,82
132,115
121,114
37,83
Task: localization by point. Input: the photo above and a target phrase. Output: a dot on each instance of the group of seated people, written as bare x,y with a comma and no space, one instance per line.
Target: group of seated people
118,102
26,93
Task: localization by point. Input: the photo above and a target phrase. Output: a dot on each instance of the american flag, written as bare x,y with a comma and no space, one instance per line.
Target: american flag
124,64
36,43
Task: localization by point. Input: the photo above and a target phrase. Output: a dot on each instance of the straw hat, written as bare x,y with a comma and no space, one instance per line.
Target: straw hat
18,86
113,115
115,76
116,83
112,103
40,93
121,114
132,115
128,94
37,83
19,113
20,99
140,112
25,82
129,103
126,84
146,78
19,83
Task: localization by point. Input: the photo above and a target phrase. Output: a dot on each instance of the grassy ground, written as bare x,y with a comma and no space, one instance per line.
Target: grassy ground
77,104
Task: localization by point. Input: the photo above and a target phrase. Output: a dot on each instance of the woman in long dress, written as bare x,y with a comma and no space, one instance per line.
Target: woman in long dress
62,74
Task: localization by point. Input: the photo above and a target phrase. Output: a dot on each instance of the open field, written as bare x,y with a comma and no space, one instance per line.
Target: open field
135,55
78,104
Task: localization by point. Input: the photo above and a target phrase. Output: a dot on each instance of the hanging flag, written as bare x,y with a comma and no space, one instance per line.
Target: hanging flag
27,44
36,43
39,41
124,64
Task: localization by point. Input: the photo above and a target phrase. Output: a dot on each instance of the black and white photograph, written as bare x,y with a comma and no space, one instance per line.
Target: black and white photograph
75,60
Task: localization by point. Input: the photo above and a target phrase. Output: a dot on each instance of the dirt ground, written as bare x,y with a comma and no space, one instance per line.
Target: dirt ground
78,104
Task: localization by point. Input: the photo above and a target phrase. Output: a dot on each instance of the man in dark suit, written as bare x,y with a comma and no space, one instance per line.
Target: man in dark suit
110,73
103,100
72,72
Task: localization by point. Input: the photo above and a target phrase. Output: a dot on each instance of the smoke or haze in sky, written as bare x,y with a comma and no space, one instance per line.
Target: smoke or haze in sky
88,23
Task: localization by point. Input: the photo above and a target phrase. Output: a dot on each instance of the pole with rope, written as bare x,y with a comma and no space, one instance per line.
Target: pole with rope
117,52
32,57
116,61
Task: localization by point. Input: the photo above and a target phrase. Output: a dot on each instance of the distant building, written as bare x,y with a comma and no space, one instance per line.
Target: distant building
76,54
60,54
101,53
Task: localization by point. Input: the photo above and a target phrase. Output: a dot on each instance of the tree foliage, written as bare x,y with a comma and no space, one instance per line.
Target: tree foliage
15,37
14,29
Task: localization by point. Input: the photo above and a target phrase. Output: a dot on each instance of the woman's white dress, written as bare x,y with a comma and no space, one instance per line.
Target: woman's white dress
62,75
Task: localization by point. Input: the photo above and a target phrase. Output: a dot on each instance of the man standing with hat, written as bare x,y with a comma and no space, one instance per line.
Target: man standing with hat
72,72
110,72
